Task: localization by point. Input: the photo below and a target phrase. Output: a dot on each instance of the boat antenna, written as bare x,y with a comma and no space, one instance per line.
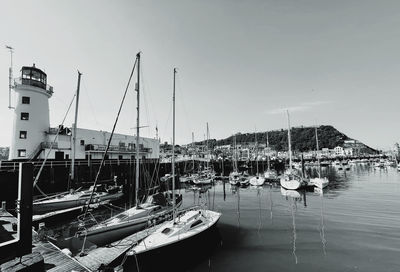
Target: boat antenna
10,75
109,140
173,149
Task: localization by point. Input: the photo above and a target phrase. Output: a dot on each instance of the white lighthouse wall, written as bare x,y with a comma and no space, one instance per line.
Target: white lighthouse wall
35,127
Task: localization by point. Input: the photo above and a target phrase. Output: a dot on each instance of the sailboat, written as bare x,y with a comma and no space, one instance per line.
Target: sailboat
72,198
258,180
318,182
156,208
207,175
184,227
270,175
234,176
291,179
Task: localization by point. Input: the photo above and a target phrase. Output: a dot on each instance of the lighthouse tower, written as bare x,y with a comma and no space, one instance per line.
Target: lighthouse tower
31,114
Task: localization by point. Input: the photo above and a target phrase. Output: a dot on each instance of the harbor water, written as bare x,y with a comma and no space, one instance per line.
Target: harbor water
353,225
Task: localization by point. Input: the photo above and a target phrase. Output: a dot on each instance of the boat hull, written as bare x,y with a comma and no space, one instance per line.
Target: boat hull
319,182
200,247
45,207
257,181
292,184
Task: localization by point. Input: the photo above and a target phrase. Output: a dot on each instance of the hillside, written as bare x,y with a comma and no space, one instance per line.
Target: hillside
303,139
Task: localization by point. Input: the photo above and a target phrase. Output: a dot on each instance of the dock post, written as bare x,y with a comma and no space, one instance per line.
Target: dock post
25,209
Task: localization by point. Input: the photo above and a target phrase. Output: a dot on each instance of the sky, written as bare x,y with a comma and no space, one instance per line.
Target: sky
241,64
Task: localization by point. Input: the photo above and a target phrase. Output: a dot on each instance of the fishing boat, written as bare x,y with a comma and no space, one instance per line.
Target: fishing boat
318,182
291,178
270,175
257,180
183,227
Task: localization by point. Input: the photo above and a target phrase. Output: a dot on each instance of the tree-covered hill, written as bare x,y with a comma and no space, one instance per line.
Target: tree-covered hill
303,138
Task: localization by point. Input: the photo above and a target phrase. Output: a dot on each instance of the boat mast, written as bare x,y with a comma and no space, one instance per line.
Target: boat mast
193,151
173,149
256,152
208,150
268,153
74,132
235,156
137,130
289,142
319,164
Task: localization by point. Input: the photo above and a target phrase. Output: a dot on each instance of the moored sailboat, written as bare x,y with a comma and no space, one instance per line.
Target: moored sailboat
183,227
270,174
318,182
257,180
73,198
291,179
155,210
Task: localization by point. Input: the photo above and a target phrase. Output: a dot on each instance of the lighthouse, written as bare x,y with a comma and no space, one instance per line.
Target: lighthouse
31,114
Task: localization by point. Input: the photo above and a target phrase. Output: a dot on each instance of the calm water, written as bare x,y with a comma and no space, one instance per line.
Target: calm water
351,226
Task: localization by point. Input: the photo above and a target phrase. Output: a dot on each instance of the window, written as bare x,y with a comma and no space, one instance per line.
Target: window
22,153
26,100
82,142
22,134
24,116
119,157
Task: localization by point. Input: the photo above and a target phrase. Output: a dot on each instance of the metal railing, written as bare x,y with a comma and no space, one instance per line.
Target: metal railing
97,147
24,81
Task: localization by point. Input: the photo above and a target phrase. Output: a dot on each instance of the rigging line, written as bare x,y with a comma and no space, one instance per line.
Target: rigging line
90,102
143,82
53,142
109,141
167,122
182,102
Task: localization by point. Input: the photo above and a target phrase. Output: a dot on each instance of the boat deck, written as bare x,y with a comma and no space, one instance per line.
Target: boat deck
106,255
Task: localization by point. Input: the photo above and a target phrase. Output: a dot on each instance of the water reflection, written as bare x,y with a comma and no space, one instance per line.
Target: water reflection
321,223
236,191
292,198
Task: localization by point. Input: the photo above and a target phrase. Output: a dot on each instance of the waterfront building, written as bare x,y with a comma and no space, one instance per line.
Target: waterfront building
33,138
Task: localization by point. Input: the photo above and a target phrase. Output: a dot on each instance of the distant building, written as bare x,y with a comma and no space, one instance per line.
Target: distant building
339,151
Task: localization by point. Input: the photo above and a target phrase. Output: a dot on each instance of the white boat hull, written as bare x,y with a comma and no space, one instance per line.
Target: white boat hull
319,182
184,228
257,181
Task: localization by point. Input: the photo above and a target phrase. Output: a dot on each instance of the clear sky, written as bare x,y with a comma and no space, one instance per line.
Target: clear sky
239,64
